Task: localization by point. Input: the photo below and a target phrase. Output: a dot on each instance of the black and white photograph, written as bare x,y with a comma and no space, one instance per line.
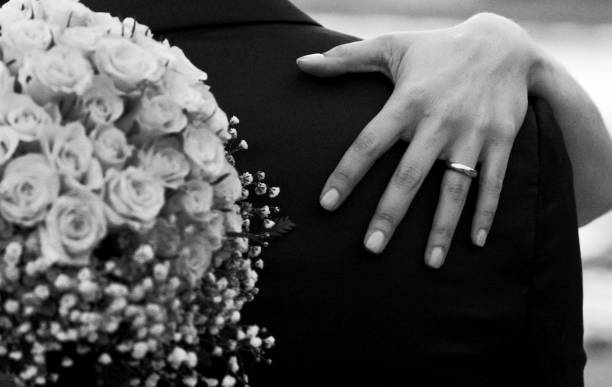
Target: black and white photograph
305,193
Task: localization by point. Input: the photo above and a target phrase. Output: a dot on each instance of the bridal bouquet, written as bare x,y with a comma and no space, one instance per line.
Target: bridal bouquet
125,236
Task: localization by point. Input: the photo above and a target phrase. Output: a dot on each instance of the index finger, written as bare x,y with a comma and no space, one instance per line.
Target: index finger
373,141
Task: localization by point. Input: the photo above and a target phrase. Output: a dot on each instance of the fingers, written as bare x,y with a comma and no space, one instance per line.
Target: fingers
406,181
453,193
490,186
362,56
375,139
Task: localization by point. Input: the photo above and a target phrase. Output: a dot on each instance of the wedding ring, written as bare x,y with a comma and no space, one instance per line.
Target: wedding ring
463,169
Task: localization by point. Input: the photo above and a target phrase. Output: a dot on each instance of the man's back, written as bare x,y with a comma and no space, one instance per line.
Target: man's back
506,314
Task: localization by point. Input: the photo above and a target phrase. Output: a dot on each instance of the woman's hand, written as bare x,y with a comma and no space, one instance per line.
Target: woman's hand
460,95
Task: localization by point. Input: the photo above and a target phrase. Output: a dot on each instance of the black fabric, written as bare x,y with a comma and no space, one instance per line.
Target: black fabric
508,314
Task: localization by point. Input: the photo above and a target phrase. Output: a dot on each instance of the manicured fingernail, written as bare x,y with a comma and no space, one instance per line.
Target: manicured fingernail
375,242
310,58
481,238
330,199
436,258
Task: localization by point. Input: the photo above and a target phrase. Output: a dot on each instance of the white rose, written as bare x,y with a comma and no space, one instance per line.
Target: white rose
14,11
134,198
126,63
159,114
9,140
28,188
195,199
23,36
172,58
166,161
73,228
228,190
66,13
84,39
70,151
25,117
233,219
205,151
194,97
194,259
111,147
46,75
102,104
217,123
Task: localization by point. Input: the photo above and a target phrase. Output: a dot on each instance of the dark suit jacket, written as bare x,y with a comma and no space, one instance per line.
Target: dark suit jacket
507,314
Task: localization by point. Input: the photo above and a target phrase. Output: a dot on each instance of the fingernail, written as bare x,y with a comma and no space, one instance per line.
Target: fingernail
375,242
311,57
481,238
330,199
436,258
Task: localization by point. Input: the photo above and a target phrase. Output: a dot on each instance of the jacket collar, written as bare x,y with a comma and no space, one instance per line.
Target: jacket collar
166,15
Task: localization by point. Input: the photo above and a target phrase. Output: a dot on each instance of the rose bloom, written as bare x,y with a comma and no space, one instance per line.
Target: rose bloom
195,97
23,36
73,228
126,63
213,228
217,123
70,151
228,190
111,147
25,117
59,71
159,114
133,197
102,103
29,186
84,39
9,140
65,13
194,259
195,199
166,161
205,150
172,58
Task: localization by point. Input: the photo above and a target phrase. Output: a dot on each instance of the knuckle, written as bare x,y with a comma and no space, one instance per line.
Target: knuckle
486,215
408,177
492,186
457,191
342,177
341,50
386,217
366,145
442,233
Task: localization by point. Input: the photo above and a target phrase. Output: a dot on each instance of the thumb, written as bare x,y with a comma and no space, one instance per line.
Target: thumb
362,56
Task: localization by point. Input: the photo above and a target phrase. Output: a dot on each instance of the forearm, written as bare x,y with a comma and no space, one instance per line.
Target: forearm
588,141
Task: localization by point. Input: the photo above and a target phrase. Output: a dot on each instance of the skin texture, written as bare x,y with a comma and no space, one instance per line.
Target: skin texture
461,95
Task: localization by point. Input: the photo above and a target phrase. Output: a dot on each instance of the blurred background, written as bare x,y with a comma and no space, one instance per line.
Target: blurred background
579,34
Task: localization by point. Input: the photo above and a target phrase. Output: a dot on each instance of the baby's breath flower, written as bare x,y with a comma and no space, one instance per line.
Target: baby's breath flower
152,380
105,359
62,282
42,292
190,381
11,273
177,357
160,271
228,381
11,306
12,253
274,192
144,254
140,350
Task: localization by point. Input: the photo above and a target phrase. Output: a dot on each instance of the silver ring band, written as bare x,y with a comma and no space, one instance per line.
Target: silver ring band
463,169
